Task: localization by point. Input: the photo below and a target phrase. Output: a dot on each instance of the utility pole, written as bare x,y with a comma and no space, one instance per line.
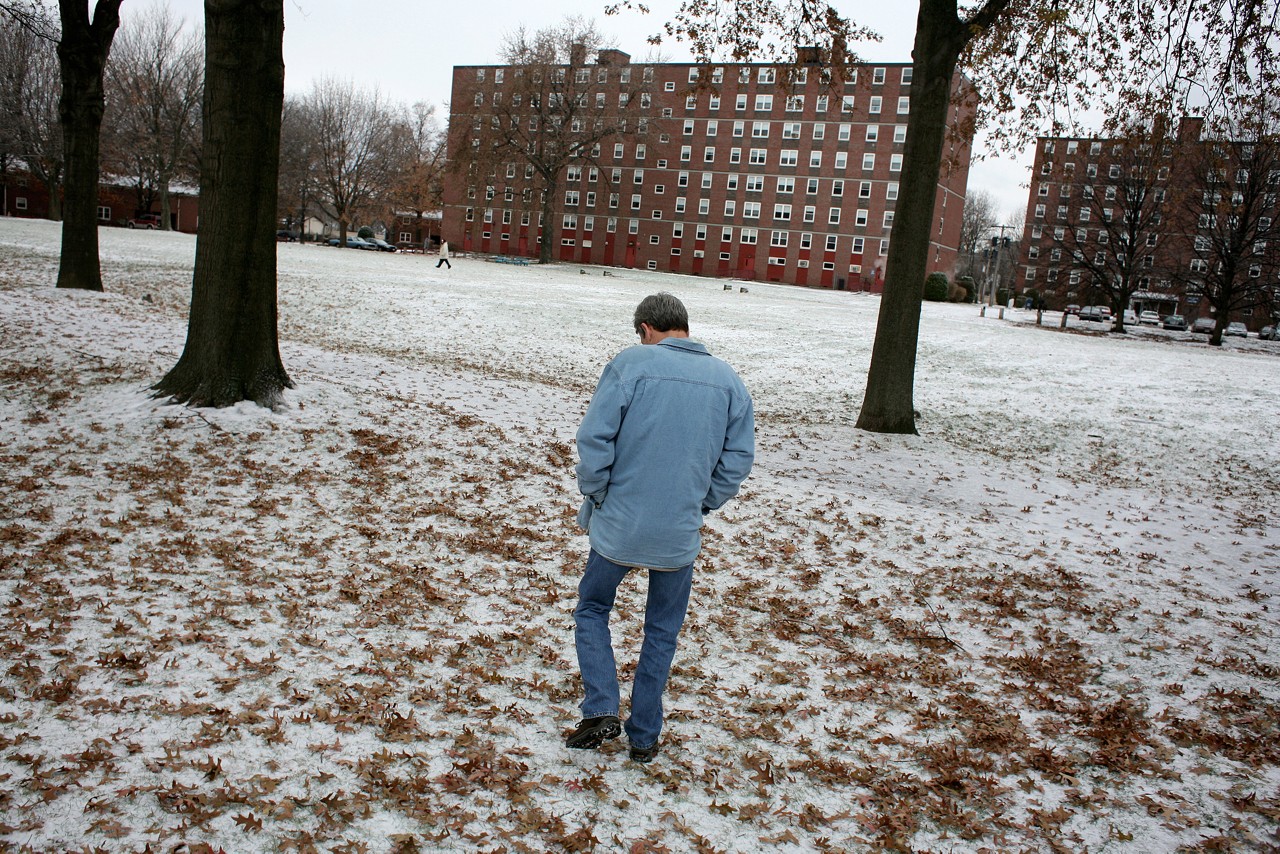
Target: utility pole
997,243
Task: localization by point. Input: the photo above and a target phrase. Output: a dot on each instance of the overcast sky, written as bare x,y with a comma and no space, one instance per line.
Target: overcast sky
408,48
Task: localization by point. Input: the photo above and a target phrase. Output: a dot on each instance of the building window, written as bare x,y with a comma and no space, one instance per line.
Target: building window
748,235
860,218
874,107
759,130
706,180
864,190
837,187
833,216
740,102
895,162
730,207
755,183
750,210
891,191
778,238
713,127
735,155
868,162
709,154
815,159
809,213
786,185
704,207
842,161
764,103
789,157
104,213
782,212
757,156
795,104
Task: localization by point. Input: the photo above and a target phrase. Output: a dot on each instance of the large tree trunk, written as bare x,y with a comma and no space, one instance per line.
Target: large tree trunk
888,405
232,351
548,212
82,54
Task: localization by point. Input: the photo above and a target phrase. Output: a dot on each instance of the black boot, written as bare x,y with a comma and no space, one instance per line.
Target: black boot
592,732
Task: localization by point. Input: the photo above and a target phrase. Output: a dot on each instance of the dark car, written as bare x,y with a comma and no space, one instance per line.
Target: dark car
1092,313
1203,325
1269,333
381,245
352,243
284,235
1071,309
144,221
1175,321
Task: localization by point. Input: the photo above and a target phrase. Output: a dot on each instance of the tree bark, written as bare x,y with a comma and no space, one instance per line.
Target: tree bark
232,351
888,405
82,55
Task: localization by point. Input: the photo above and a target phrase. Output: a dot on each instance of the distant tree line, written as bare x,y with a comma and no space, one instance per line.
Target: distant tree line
348,156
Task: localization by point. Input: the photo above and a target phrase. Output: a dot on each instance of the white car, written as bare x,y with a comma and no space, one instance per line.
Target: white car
1130,317
1149,318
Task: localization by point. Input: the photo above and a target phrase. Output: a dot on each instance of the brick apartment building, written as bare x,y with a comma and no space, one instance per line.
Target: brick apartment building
763,172
1078,192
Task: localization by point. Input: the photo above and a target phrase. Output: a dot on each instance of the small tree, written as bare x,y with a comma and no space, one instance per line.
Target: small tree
1107,235
1228,210
155,79
936,287
30,89
352,137
546,119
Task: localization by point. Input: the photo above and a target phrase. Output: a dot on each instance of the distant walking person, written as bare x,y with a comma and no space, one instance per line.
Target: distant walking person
444,256
669,436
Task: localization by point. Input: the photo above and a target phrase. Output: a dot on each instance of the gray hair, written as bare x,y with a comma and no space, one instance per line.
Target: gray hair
663,312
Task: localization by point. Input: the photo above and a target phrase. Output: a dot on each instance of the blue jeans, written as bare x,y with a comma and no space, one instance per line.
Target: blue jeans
663,616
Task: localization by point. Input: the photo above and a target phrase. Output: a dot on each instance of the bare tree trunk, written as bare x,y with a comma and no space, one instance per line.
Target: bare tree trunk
82,55
232,351
888,405
548,211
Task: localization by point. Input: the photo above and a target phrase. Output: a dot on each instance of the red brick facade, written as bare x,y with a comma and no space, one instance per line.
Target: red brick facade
748,178
1077,184
24,195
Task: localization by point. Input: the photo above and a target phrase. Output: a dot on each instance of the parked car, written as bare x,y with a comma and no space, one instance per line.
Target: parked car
1072,309
1237,329
1093,313
144,221
1149,318
381,245
352,242
1130,317
1203,325
1269,333
1175,321
284,235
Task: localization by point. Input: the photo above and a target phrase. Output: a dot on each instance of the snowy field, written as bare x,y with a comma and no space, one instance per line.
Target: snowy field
1044,624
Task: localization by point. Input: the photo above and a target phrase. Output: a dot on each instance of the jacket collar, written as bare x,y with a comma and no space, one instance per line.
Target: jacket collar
687,344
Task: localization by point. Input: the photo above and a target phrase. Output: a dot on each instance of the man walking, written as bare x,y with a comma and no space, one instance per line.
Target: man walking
444,256
669,436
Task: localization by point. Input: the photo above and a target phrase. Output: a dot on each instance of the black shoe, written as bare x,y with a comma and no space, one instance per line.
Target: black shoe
592,732
644,754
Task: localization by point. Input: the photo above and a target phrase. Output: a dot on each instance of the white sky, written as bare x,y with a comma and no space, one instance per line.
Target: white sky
408,48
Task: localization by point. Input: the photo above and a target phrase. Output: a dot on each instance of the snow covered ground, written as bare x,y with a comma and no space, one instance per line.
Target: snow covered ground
1043,624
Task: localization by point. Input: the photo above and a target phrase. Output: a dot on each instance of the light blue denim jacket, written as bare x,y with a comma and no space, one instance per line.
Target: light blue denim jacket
668,437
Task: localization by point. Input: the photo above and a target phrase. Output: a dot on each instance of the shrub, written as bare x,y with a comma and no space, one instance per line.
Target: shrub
936,287
365,232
